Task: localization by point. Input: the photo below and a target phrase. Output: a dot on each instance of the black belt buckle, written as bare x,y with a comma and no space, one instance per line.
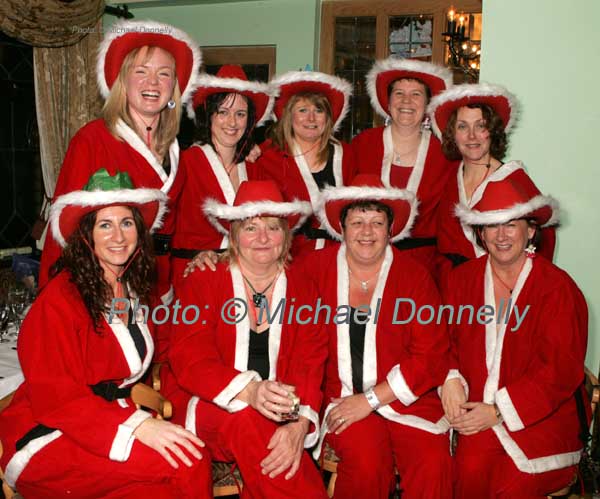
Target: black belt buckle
162,244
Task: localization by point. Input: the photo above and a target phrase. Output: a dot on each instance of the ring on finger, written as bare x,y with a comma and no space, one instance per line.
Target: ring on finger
341,421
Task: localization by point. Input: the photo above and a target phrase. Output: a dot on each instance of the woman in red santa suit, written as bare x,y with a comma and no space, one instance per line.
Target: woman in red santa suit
72,429
303,156
145,71
248,368
472,121
226,108
382,408
404,153
515,382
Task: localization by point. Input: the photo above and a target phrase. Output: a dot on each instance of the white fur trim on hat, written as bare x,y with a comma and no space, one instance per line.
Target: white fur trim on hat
235,84
474,217
122,27
215,210
473,90
104,198
356,193
339,84
394,64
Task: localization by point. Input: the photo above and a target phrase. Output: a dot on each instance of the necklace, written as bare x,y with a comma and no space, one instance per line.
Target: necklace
506,286
399,155
302,153
364,285
259,298
148,127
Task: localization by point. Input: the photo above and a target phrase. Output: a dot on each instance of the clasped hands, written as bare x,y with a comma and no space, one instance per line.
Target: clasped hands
468,418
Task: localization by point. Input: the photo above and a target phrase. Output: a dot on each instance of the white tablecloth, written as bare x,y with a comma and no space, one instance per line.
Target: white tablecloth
10,370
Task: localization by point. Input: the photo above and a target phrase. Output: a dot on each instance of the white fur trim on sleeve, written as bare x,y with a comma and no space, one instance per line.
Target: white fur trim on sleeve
455,374
309,413
394,64
226,399
508,410
121,445
399,386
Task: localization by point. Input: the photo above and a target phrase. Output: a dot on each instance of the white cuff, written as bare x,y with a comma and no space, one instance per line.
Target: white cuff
399,386
453,374
225,399
508,411
309,413
121,445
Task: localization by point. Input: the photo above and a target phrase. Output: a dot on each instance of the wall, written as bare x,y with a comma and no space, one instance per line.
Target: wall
548,54
290,25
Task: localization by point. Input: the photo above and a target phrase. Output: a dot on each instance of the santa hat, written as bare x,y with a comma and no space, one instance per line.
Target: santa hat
384,72
256,198
232,79
501,100
124,36
336,90
509,198
367,187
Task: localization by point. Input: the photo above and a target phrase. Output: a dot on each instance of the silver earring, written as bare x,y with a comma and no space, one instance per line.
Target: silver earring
171,104
530,249
426,125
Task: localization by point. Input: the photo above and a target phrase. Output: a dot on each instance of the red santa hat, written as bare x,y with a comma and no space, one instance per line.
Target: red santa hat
501,100
256,198
232,79
124,36
384,72
101,191
366,187
336,90
509,198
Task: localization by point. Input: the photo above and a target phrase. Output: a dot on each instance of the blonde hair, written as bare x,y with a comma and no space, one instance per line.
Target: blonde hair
115,106
283,132
232,253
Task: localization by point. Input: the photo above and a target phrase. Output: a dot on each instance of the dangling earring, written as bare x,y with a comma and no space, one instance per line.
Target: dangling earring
387,121
426,124
530,249
171,104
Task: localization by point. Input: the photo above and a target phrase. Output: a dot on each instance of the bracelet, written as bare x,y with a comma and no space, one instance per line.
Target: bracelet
498,415
372,399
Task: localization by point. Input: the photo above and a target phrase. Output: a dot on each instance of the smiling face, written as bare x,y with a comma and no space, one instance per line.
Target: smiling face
471,135
150,82
115,237
366,234
308,121
407,103
260,242
506,242
229,122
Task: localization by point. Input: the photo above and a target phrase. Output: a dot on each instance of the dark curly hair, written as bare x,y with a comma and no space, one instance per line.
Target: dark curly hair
88,275
204,114
494,125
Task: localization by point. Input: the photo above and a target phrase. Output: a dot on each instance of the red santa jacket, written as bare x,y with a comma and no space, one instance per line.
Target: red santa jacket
374,152
94,147
205,178
292,175
454,238
61,356
531,367
210,356
412,357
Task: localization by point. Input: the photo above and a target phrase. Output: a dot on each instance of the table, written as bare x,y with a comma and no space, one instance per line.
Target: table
11,375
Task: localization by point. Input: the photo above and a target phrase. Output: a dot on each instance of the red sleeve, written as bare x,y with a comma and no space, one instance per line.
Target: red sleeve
50,353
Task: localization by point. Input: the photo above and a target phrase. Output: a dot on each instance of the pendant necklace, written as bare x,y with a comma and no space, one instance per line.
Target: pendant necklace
259,298
364,285
148,127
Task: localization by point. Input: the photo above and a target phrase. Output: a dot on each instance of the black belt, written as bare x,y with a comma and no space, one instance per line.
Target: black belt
415,242
105,389
162,244
312,233
188,254
456,259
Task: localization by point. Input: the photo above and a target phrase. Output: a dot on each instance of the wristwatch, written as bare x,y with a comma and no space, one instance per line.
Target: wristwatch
498,415
372,399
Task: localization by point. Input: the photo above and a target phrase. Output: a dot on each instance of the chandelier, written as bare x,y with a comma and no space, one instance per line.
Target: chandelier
463,54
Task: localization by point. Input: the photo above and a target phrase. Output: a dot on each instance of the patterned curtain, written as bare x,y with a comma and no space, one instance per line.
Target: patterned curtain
65,35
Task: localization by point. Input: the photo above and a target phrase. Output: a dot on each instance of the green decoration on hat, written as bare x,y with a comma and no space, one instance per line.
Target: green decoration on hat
103,181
